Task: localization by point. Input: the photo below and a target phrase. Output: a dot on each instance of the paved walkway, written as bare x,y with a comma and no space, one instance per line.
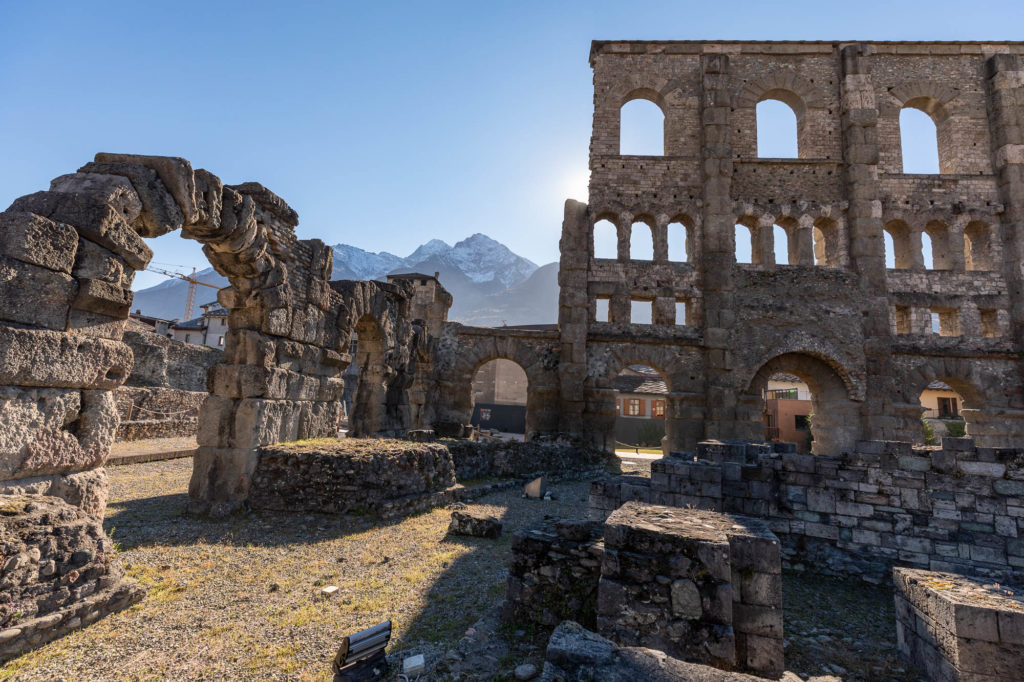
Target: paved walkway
152,450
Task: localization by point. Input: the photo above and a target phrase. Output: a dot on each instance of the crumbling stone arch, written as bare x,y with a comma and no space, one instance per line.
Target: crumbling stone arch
979,245
277,295
467,349
690,237
681,368
835,414
829,238
993,408
906,244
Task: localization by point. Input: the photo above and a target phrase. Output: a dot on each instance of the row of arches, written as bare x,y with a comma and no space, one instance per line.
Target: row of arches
780,124
641,403
788,241
937,246
645,240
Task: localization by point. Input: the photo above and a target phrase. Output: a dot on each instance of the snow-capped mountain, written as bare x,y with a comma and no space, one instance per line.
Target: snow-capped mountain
475,270
351,262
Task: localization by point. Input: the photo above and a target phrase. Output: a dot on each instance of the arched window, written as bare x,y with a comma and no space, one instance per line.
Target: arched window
606,240
781,240
825,236
899,250
977,246
936,234
641,241
776,130
679,242
926,250
641,129
919,141
744,244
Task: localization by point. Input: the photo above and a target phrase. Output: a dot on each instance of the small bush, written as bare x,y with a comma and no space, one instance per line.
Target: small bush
929,432
956,428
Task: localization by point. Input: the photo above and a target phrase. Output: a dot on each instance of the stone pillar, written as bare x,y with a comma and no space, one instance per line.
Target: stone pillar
664,311
1005,80
576,249
804,246
718,253
619,308
660,236
867,247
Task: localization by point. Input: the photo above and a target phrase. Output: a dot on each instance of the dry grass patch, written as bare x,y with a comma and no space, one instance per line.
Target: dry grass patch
241,599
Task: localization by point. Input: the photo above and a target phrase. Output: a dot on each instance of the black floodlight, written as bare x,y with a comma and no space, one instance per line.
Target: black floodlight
360,657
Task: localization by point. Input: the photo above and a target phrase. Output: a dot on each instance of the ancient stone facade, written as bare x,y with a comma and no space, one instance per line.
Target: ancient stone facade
857,333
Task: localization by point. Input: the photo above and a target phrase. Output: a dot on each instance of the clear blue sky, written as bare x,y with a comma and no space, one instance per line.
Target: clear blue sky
383,124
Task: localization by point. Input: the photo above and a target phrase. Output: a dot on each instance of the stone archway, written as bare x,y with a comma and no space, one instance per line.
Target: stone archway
991,411
835,420
369,405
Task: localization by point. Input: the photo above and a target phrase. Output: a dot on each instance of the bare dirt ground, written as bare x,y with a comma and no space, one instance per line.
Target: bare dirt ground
241,599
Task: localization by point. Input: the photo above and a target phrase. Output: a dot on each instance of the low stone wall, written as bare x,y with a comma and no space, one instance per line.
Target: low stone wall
157,412
958,628
956,508
348,474
522,459
60,572
699,585
553,575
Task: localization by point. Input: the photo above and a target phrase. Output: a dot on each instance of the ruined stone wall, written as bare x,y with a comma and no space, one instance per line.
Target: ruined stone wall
957,508
167,385
460,351
859,334
67,260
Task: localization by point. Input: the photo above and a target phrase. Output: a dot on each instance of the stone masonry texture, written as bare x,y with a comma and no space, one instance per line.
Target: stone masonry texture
959,629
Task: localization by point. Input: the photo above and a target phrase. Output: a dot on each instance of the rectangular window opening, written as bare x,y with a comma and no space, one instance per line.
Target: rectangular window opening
682,312
641,311
989,323
946,321
902,318
603,310
634,407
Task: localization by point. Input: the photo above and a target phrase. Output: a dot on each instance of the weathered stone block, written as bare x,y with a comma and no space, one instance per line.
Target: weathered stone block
33,239
474,524
105,298
36,357
673,578
953,626
34,296
94,220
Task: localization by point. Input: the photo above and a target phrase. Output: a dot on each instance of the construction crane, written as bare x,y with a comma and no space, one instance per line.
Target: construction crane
190,300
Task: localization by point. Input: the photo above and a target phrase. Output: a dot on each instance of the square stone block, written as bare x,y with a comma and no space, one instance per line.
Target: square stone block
697,584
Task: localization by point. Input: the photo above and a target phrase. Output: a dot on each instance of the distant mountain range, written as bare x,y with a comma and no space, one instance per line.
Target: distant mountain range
490,284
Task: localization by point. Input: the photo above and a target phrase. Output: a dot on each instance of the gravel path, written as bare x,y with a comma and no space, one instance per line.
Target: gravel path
241,599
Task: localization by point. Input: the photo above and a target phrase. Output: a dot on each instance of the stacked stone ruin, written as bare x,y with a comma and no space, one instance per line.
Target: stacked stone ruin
67,261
